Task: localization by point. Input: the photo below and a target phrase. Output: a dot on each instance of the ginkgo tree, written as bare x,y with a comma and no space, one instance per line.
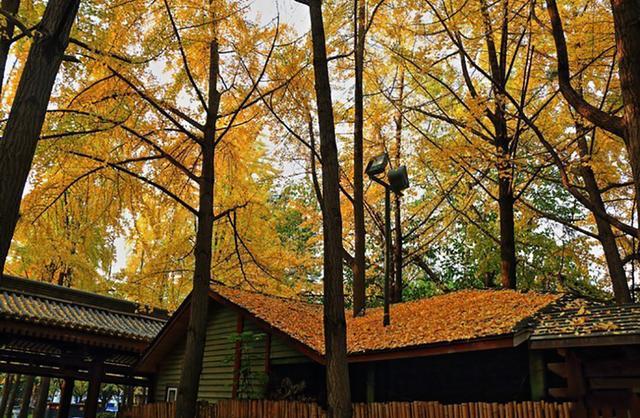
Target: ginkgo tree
28,107
625,14
179,138
162,129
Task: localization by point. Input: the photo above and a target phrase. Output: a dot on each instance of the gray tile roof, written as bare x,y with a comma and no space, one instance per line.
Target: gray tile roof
44,304
580,318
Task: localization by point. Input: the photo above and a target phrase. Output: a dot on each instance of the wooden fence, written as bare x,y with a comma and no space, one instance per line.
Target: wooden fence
285,409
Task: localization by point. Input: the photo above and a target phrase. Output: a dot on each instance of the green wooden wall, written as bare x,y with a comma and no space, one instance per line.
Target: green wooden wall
253,378
281,353
216,380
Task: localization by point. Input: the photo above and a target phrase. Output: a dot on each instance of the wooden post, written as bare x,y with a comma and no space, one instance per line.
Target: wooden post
6,389
537,381
151,390
267,354
238,357
576,385
371,383
91,406
27,391
65,398
128,396
43,397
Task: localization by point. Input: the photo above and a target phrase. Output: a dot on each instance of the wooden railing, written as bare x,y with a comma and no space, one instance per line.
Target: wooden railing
285,409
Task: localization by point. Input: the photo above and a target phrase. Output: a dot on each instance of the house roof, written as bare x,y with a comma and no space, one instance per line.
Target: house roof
459,321
454,317
581,321
27,302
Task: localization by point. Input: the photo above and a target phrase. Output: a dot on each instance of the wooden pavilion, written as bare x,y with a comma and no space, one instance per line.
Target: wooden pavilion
48,330
591,355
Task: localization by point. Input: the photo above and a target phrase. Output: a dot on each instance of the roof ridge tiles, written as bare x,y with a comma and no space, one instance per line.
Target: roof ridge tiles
48,299
52,292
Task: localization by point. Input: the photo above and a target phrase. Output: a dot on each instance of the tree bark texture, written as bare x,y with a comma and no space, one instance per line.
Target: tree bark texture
6,33
498,63
626,17
359,283
606,235
506,201
337,371
196,330
20,137
507,233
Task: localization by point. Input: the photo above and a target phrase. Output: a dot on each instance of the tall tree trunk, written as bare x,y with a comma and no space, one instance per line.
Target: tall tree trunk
605,233
507,233
27,391
506,201
335,327
6,390
20,137
196,330
13,394
626,17
6,33
498,68
359,284
43,397
396,294
608,241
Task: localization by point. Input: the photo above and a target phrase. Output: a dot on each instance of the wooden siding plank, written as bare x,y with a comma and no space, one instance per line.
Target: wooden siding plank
216,381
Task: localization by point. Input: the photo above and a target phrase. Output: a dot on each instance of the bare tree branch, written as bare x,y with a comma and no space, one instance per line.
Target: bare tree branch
185,62
144,179
155,104
613,124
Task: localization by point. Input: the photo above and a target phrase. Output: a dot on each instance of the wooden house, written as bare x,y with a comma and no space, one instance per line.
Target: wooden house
472,345
466,346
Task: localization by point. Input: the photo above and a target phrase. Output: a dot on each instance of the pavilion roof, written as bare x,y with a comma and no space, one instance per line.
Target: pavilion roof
35,303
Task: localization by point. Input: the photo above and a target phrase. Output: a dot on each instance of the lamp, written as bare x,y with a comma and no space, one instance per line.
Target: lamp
398,181
377,165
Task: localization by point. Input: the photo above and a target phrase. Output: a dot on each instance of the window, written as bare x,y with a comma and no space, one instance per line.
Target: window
172,394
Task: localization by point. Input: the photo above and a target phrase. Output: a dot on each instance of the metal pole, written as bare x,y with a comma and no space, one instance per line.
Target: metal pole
397,251
387,252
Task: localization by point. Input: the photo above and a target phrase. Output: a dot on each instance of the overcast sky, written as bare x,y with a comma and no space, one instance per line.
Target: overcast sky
291,12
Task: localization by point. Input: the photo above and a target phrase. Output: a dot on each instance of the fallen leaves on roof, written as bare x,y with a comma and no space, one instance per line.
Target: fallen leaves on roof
457,316
298,319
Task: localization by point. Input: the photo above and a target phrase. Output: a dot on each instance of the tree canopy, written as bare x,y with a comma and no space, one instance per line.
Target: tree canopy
511,183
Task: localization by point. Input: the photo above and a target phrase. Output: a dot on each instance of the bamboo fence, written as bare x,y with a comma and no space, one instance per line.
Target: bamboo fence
287,409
